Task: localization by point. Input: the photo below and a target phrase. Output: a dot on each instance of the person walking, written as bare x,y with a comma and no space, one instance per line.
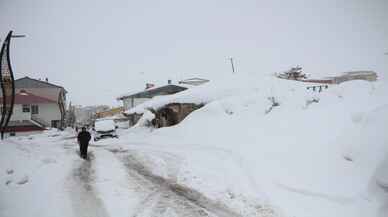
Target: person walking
83,141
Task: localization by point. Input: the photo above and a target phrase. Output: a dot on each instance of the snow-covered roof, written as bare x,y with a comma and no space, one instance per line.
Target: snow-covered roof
155,91
215,90
194,81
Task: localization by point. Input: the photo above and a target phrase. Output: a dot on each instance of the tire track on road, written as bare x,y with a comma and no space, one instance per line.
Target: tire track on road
166,196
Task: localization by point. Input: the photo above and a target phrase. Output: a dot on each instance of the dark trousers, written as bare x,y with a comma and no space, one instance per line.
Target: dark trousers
84,150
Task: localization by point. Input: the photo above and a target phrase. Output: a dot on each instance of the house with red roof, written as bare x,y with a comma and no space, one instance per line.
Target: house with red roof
38,105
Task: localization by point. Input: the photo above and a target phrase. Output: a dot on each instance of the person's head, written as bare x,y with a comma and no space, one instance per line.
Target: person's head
83,128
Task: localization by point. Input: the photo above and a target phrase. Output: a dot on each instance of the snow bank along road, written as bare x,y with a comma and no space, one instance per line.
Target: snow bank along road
113,182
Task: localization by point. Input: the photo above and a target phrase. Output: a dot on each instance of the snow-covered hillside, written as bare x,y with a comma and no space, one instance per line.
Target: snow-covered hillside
312,155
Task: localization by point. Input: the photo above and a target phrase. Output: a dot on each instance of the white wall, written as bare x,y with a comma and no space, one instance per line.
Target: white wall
127,102
19,115
138,101
49,112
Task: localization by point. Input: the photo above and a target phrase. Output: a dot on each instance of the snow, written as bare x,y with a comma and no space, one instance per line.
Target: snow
299,150
232,157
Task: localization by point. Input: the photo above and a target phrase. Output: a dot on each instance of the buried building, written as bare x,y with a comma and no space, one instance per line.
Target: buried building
168,113
131,100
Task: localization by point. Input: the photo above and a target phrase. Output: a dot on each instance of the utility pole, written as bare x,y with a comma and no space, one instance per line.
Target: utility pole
231,62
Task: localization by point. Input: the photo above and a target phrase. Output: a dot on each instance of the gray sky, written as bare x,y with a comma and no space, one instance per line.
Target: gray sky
100,49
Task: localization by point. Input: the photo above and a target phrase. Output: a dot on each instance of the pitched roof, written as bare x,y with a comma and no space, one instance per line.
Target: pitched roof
27,82
195,79
155,91
29,98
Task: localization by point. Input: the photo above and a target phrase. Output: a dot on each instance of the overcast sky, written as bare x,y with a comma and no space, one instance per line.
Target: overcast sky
98,50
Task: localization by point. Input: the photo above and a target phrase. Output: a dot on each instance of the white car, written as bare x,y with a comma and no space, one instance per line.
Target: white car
104,128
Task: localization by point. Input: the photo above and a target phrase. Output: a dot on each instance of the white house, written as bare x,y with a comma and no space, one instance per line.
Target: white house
131,100
38,105
49,91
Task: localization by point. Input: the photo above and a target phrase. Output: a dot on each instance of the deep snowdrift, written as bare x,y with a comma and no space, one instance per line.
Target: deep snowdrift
316,154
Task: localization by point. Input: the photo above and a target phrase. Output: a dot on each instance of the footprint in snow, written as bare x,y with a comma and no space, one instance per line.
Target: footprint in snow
23,180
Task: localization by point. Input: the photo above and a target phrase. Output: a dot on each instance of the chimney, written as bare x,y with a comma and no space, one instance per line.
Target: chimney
149,85
169,81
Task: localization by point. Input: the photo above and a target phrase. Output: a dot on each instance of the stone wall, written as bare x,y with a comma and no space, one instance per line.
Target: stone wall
173,113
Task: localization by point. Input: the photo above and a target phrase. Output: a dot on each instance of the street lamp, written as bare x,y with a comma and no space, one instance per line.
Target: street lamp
18,36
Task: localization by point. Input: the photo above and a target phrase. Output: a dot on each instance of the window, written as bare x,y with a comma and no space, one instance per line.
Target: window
26,108
34,109
55,123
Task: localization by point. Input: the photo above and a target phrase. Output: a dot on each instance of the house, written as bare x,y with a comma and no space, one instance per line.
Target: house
38,105
131,100
109,113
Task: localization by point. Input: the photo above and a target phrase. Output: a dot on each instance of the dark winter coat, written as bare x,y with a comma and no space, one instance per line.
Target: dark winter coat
84,137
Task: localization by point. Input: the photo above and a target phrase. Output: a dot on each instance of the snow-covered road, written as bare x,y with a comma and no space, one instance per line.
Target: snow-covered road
44,176
84,200
157,196
164,198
